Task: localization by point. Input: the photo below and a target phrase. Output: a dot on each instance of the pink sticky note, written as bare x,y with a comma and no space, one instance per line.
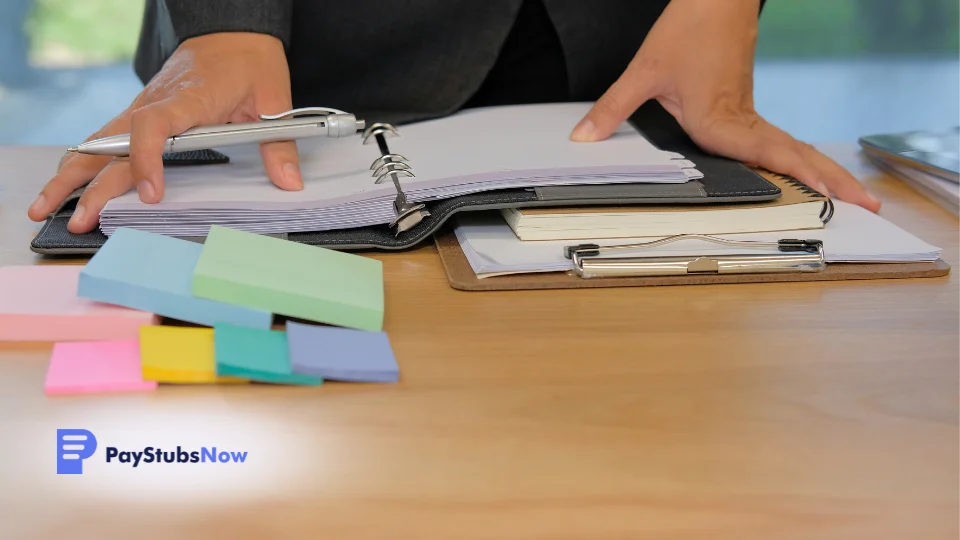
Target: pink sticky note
40,303
94,367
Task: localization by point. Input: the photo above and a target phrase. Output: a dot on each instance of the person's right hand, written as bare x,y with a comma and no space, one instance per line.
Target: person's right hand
212,79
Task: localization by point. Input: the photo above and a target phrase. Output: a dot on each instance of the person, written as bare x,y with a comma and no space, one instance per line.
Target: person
223,61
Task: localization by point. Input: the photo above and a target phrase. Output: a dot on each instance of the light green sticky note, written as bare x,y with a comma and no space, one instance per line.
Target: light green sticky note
291,279
255,354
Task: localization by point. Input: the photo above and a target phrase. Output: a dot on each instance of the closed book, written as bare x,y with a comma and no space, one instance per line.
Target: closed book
799,207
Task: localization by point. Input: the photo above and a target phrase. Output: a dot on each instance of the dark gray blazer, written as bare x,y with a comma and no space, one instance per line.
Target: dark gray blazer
403,60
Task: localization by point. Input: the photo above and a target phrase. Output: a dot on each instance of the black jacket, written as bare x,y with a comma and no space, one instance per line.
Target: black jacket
403,60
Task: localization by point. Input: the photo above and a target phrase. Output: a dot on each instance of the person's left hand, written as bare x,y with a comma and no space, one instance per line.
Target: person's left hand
697,61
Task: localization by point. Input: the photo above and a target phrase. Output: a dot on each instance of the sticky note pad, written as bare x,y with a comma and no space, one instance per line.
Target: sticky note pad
173,354
94,367
154,273
40,303
258,355
291,279
341,354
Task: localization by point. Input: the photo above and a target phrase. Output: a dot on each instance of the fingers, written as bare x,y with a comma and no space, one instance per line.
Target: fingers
150,126
629,92
280,159
778,157
821,172
114,180
74,171
73,174
282,164
838,180
758,142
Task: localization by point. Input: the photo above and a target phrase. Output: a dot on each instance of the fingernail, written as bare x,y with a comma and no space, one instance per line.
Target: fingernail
37,204
822,188
146,191
291,175
78,214
872,199
584,131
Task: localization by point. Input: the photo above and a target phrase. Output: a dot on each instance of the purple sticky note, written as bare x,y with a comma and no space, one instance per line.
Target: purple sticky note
341,354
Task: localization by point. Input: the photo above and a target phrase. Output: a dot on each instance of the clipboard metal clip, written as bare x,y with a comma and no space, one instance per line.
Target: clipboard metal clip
795,256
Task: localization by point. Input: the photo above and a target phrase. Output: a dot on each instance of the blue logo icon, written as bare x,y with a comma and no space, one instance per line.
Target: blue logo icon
74,446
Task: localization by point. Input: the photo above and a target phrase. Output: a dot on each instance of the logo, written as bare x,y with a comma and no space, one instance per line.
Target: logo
74,446
159,455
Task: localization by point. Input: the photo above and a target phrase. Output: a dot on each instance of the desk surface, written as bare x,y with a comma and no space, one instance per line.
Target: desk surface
812,410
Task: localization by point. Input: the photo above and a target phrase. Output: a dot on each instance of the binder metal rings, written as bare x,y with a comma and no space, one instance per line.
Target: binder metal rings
827,213
393,166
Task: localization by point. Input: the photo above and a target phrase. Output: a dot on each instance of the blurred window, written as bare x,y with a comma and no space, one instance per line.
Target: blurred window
833,70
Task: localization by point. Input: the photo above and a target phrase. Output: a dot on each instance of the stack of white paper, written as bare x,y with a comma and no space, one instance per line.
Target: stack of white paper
853,235
475,150
940,190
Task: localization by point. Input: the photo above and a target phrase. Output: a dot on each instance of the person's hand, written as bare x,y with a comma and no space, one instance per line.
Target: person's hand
212,79
697,62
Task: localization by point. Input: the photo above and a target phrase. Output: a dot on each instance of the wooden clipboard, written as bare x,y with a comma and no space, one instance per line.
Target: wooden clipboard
461,276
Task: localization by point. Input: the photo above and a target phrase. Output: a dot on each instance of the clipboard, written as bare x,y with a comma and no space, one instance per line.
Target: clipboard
461,276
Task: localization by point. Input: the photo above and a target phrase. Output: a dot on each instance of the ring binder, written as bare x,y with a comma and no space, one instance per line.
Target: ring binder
807,257
393,166
827,213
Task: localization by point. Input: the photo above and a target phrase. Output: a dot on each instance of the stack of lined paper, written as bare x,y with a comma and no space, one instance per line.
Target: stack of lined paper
449,157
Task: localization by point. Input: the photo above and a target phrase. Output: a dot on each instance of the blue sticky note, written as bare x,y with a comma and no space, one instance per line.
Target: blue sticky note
154,273
341,354
258,355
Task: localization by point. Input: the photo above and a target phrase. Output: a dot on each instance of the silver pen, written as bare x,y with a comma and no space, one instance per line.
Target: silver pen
271,128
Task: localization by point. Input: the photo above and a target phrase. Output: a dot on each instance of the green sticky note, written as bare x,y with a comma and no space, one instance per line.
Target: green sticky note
255,354
291,279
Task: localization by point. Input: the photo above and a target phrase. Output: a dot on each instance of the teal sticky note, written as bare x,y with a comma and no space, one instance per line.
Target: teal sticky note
292,279
258,355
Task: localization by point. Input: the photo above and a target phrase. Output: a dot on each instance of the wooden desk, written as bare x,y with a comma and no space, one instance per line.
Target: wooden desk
794,411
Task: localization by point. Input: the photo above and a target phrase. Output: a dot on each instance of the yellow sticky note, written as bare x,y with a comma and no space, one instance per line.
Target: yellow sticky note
172,354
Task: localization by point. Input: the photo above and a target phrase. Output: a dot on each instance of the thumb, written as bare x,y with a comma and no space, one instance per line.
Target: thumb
621,100
280,159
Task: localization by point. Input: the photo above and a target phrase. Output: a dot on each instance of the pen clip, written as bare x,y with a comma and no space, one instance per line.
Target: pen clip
304,111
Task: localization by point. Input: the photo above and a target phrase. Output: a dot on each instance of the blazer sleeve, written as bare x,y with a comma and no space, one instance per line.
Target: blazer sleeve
191,18
168,23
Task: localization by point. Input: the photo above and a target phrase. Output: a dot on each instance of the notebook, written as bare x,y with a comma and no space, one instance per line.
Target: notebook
477,150
800,207
854,235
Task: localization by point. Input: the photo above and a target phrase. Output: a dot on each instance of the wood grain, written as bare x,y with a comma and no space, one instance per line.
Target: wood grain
755,411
